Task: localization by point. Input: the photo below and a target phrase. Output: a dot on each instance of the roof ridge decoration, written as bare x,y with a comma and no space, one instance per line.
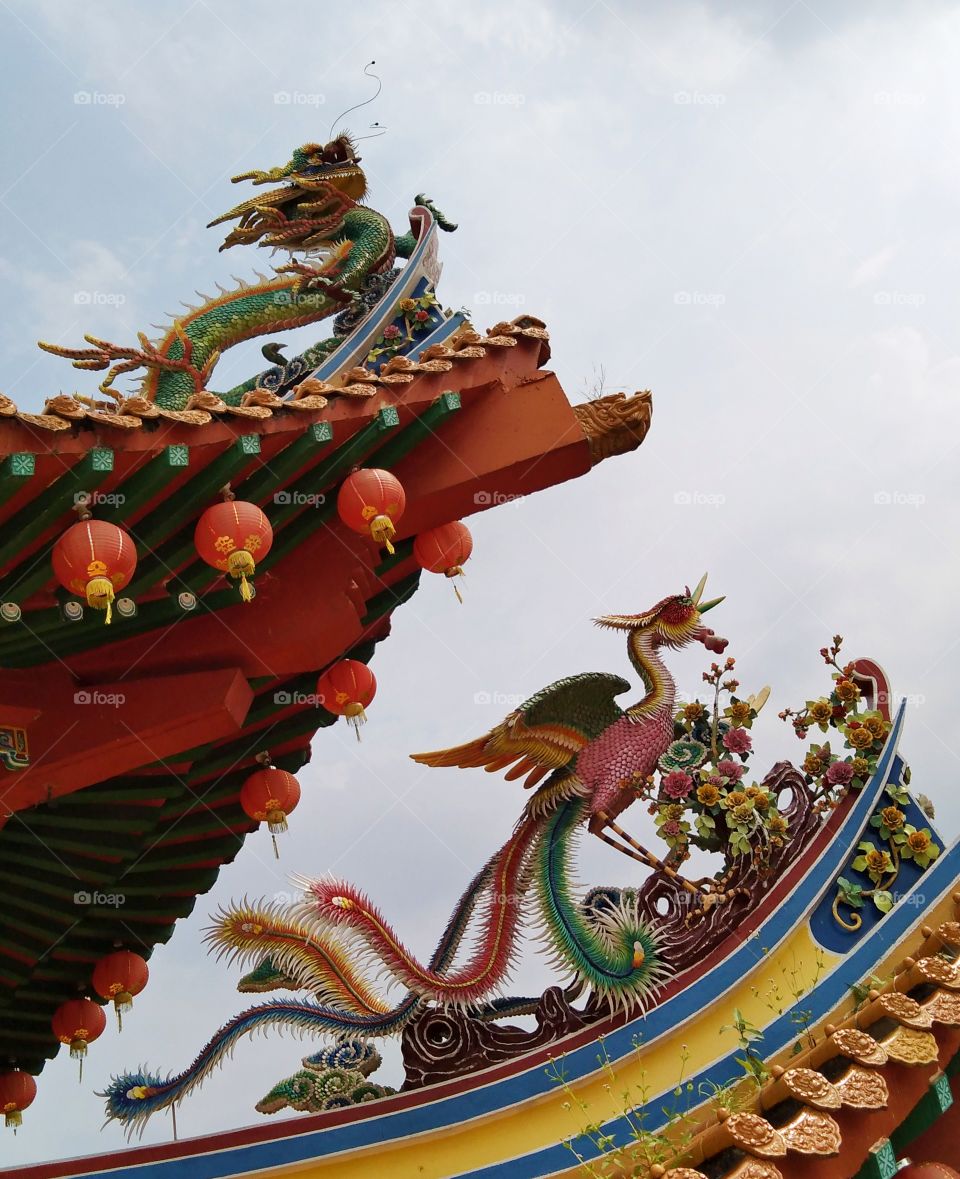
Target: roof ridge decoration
588,760
341,257
312,395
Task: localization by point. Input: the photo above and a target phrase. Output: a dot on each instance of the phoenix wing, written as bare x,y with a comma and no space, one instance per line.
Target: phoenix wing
543,734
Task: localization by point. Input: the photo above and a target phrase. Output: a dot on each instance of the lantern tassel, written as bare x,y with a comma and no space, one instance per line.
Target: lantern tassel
453,572
356,715
122,1002
12,1119
241,564
276,850
383,532
276,817
100,596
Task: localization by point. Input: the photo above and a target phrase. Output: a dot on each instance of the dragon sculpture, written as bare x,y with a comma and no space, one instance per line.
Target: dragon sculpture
335,941
348,251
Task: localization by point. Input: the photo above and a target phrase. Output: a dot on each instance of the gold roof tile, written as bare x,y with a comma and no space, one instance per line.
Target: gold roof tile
904,1010
862,1088
859,1046
911,1047
809,1086
753,1133
45,421
944,1008
812,1131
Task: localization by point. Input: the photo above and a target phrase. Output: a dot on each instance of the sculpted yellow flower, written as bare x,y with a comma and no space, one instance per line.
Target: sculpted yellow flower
693,711
861,767
734,799
893,818
708,794
918,841
753,792
879,862
820,711
812,764
847,691
738,712
742,814
777,824
860,738
875,725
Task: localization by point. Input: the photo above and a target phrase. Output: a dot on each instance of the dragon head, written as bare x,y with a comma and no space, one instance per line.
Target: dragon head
334,163
318,181
673,622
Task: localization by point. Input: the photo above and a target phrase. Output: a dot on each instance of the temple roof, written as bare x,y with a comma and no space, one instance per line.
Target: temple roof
146,802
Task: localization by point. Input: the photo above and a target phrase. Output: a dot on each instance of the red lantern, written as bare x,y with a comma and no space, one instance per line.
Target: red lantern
78,1022
119,977
371,502
347,689
17,1091
927,1171
444,550
270,794
94,559
232,536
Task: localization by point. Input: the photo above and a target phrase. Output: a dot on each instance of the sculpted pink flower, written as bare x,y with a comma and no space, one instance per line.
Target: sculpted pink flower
731,769
676,784
840,773
670,828
737,741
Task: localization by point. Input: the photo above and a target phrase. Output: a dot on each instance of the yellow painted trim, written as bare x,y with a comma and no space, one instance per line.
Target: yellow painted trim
543,1121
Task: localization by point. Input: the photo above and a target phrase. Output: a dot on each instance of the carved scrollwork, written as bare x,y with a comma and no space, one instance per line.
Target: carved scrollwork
441,1044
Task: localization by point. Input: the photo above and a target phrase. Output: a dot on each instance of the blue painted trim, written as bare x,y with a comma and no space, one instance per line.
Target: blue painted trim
662,1021
942,874
824,928
443,332
361,340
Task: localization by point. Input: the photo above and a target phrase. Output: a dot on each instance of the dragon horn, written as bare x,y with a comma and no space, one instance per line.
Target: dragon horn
698,592
703,607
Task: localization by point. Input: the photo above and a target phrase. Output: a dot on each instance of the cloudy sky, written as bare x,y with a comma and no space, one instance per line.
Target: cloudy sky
749,208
